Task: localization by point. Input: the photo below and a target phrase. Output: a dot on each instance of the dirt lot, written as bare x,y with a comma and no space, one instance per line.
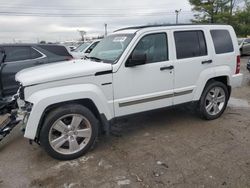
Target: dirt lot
169,148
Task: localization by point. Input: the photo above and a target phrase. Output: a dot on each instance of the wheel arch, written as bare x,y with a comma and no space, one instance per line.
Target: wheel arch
225,79
44,100
88,103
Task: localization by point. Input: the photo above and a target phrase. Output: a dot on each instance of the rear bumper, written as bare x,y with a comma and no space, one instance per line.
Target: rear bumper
236,80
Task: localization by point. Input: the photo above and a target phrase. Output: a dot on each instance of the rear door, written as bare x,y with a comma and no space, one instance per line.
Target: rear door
192,59
17,58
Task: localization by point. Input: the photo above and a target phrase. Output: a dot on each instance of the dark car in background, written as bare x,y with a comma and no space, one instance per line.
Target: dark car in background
15,57
248,65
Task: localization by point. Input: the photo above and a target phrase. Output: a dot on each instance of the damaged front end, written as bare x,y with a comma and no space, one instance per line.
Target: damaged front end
17,115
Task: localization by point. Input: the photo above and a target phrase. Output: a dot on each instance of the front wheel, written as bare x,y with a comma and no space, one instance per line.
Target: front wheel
213,101
68,132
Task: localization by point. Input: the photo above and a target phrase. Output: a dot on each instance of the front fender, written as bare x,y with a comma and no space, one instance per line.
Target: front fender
44,98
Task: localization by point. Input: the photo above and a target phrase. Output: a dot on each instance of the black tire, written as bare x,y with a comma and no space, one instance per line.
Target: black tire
202,102
53,116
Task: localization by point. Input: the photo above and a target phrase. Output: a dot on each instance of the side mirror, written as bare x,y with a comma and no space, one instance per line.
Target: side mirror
136,59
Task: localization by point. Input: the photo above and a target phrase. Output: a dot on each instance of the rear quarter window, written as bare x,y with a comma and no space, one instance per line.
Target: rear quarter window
35,54
222,41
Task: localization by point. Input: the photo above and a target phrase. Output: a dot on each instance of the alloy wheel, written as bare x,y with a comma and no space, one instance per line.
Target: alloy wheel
215,101
70,134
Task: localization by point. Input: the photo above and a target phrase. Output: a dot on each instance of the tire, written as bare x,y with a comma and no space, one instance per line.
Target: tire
210,99
69,132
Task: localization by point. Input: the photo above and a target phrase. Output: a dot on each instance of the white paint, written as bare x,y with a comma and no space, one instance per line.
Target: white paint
73,80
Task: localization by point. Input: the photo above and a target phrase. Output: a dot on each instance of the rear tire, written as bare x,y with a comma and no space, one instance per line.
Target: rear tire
69,132
213,101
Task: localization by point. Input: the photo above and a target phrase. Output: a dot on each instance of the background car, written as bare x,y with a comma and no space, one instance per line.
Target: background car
15,57
84,49
71,48
244,45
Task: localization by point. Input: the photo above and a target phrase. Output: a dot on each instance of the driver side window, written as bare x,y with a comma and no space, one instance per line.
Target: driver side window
154,46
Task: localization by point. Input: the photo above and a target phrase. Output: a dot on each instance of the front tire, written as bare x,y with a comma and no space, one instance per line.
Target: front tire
69,132
213,101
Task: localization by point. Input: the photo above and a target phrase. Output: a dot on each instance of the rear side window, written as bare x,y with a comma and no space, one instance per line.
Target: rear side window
57,50
18,53
222,41
190,44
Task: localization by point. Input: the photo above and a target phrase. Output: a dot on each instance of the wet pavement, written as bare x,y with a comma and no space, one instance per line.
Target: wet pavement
168,148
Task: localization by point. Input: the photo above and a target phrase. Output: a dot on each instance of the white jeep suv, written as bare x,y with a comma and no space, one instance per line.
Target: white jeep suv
132,70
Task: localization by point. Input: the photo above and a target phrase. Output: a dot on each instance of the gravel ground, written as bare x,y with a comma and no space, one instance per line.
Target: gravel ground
168,148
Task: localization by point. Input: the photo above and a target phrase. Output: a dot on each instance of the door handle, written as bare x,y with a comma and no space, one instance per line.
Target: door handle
171,67
207,62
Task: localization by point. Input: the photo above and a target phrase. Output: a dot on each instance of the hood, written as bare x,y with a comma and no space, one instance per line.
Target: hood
60,71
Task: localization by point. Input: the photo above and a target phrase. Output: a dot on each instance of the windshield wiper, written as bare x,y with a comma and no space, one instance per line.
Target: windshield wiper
94,58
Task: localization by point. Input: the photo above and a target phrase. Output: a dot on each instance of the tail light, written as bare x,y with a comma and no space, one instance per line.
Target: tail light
238,65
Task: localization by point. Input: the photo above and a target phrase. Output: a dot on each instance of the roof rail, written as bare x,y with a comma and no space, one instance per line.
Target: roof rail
160,25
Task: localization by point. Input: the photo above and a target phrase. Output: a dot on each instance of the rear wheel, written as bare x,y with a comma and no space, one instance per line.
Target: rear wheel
213,101
69,132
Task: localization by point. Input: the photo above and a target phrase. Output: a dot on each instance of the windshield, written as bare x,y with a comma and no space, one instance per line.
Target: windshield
111,48
82,47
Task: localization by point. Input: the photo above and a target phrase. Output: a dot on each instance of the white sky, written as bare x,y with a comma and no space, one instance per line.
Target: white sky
91,16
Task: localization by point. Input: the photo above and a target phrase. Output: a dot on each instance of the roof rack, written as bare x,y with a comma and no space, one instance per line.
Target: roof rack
160,25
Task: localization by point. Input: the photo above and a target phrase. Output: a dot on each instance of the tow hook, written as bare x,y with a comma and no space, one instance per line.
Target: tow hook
8,124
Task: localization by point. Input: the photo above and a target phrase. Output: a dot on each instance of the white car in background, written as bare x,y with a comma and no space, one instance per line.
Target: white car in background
84,49
71,48
244,45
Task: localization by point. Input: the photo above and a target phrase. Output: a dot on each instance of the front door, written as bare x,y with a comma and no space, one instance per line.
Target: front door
147,86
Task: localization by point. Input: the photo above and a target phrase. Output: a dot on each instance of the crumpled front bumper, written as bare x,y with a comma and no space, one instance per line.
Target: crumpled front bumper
23,112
